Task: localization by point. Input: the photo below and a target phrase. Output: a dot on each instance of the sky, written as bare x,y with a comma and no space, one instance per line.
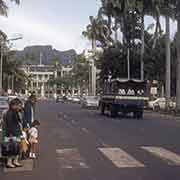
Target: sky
53,22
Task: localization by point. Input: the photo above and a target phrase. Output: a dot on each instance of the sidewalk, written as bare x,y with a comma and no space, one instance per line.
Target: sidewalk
163,115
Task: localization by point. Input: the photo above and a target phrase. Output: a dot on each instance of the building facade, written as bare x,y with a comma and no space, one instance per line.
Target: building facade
39,76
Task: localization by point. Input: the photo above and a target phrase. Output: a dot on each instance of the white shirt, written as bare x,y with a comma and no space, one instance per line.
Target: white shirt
33,132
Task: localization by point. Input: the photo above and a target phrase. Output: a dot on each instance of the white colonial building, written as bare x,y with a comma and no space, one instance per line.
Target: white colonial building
40,75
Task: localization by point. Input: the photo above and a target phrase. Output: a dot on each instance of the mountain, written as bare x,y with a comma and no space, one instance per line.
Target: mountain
32,54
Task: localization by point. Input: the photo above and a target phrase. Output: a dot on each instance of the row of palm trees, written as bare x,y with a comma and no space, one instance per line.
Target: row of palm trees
113,14
13,76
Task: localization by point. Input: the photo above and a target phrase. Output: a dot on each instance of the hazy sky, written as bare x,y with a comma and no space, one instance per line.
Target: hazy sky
54,22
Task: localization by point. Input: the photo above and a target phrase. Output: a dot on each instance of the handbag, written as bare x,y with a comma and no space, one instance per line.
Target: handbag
10,148
24,146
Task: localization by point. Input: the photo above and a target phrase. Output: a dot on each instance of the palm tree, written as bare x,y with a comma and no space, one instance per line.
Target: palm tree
98,30
11,68
92,31
57,66
178,59
4,7
3,37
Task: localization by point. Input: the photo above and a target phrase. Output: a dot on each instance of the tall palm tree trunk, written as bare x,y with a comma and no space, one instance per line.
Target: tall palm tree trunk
116,32
168,59
93,69
109,22
142,47
178,64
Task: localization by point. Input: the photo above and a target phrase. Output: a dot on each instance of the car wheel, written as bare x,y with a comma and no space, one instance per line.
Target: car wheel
138,114
102,107
113,112
156,108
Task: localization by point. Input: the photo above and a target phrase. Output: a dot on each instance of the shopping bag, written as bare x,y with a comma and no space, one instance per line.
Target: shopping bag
23,146
10,148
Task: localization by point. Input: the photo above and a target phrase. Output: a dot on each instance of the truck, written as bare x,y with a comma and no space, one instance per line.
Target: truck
124,96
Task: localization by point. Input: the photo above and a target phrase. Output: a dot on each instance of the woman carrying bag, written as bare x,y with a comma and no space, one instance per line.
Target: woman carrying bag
12,131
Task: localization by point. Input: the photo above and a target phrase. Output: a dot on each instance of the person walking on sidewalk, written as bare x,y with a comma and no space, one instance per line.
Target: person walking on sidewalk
29,111
12,131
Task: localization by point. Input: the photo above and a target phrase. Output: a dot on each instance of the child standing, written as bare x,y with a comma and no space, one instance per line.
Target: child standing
33,139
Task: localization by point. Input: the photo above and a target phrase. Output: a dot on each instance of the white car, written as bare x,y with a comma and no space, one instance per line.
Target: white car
76,99
69,98
160,104
90,102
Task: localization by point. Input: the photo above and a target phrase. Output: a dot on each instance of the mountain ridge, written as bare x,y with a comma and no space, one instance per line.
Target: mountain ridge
47,54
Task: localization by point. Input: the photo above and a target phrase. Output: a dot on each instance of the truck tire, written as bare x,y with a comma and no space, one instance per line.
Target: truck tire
102,108
113,111
138,114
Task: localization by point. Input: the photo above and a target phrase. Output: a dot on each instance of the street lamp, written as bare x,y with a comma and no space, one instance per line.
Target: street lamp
1,59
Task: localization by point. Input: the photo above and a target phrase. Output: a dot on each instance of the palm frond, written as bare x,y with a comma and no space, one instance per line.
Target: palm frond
3,8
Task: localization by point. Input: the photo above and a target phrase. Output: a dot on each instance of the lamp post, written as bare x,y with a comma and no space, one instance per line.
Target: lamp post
1,59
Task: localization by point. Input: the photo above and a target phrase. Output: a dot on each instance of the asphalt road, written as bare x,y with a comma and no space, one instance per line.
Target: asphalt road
80,144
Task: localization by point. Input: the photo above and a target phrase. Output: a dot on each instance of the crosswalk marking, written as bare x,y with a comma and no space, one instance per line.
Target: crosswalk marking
27,166
70,159
170,157
120,158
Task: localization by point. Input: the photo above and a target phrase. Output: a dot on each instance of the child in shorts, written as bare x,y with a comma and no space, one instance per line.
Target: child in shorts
33,139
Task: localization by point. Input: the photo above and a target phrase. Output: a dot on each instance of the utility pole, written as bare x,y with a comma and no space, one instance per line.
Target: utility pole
128,63
12,83
93,78
168,60
1,64
142,48
178,62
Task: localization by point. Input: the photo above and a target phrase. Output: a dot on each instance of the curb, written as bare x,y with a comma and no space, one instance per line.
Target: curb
163,115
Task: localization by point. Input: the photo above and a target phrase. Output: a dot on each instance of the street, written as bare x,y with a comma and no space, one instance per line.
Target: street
81,144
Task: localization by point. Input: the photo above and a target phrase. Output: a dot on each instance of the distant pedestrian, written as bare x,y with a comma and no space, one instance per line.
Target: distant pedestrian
12,132
33,139
29,111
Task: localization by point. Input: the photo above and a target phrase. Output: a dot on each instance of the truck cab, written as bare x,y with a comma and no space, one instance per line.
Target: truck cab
125,96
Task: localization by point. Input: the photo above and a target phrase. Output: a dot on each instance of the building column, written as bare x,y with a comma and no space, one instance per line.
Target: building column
37,84
43,87
73,91
32,85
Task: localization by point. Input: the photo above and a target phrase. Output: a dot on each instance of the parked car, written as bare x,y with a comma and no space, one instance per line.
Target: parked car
11,97
4,105
90,102
69,98
60,99
160,104
76,99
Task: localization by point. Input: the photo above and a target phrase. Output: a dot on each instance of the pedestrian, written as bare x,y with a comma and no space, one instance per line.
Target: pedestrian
33,139
29,111
12,133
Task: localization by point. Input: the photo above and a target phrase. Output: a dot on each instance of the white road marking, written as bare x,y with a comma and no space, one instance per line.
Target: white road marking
120,158
70,159
27,166
85,130
170,157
